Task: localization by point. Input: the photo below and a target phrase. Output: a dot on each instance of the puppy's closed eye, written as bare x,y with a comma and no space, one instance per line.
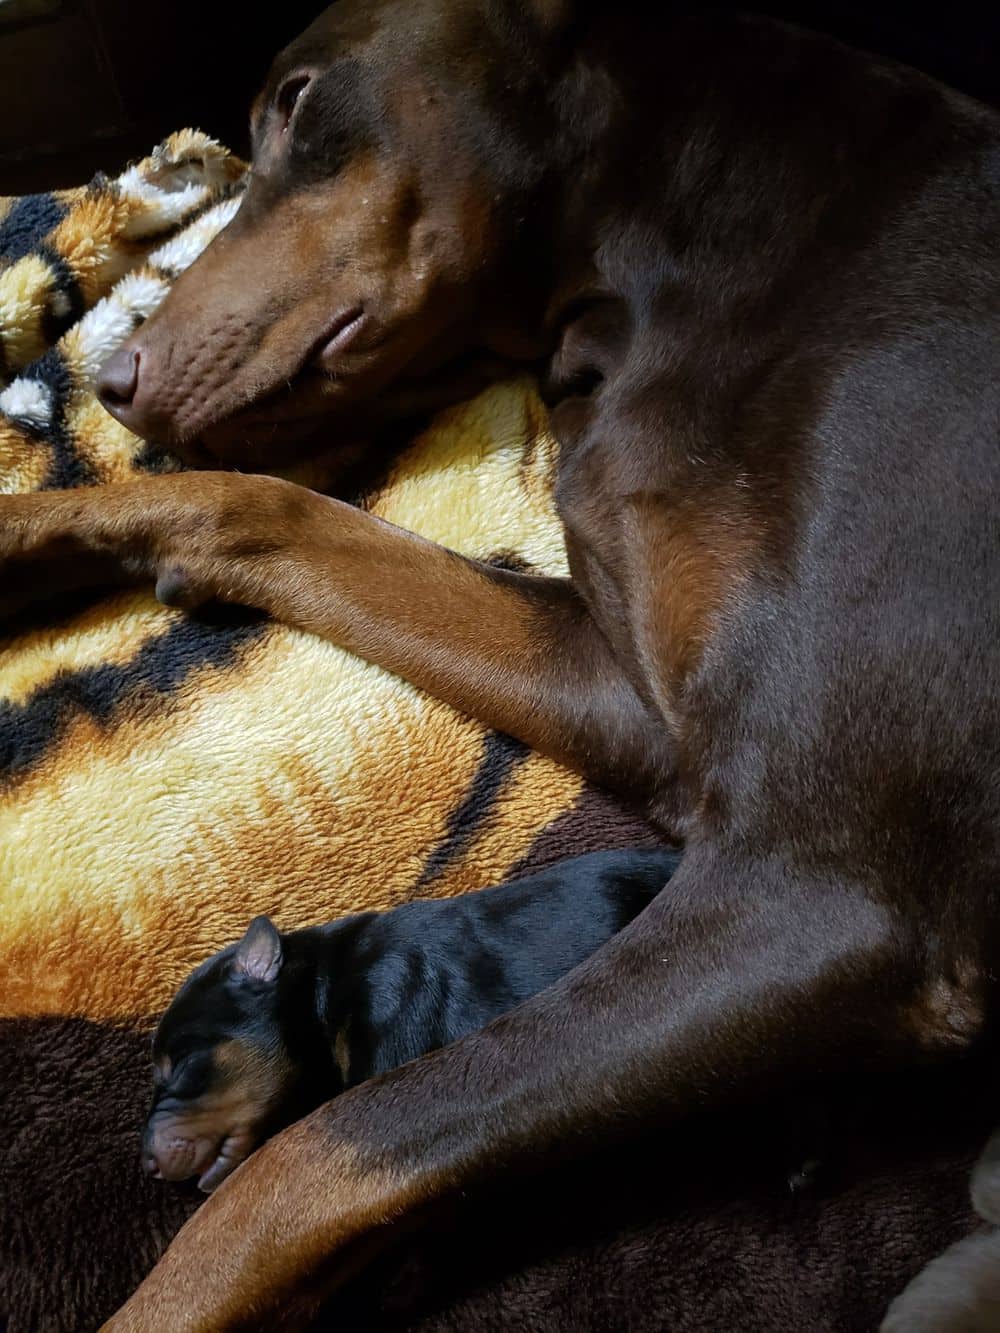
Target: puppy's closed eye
189,1075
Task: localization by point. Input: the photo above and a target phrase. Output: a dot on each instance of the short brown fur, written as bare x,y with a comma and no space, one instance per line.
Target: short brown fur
758,276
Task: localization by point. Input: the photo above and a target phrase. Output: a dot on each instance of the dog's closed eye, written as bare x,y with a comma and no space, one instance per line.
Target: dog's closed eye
288,95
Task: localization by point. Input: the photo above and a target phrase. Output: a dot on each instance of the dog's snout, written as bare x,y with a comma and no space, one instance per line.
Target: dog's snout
128,389
118,379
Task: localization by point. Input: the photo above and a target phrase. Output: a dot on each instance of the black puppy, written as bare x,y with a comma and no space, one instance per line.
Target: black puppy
276,1024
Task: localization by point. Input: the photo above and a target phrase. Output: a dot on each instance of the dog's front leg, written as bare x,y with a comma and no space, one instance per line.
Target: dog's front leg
518,653
733,981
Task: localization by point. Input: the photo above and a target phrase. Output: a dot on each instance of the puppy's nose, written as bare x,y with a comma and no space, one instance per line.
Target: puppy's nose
151,1166
147,1156
118,380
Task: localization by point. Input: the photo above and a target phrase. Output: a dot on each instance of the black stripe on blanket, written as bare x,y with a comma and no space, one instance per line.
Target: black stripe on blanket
66,304
66,468
159,668
502,755
27,224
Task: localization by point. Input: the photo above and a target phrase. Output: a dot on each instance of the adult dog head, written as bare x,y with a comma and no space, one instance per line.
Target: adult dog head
387,230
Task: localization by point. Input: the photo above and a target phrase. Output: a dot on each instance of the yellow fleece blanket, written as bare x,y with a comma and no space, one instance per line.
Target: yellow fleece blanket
162,781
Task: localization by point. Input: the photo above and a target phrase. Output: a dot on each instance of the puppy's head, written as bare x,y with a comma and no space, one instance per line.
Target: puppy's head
223,1075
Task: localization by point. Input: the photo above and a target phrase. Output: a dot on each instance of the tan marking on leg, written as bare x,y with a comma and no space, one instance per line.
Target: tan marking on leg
695,562
949,1011
342,1052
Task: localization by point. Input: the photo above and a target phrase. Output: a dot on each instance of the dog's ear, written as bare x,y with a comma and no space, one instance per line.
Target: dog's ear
258,954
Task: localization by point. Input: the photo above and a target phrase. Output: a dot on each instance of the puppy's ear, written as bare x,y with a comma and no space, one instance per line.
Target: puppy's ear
258,954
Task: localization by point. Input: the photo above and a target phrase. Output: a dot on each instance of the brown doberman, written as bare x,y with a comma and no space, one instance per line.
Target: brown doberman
760,275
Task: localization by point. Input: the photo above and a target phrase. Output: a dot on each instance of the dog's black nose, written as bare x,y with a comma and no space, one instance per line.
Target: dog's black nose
128,388
118,379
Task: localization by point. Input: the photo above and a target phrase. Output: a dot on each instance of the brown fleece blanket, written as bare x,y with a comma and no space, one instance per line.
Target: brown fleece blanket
163,779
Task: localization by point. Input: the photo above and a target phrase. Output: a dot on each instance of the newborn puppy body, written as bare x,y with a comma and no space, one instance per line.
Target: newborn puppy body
276,1024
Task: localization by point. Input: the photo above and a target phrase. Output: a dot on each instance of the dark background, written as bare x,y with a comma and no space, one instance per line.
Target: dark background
87,84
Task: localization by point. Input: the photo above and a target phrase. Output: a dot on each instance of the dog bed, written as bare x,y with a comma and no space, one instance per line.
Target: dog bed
163,779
